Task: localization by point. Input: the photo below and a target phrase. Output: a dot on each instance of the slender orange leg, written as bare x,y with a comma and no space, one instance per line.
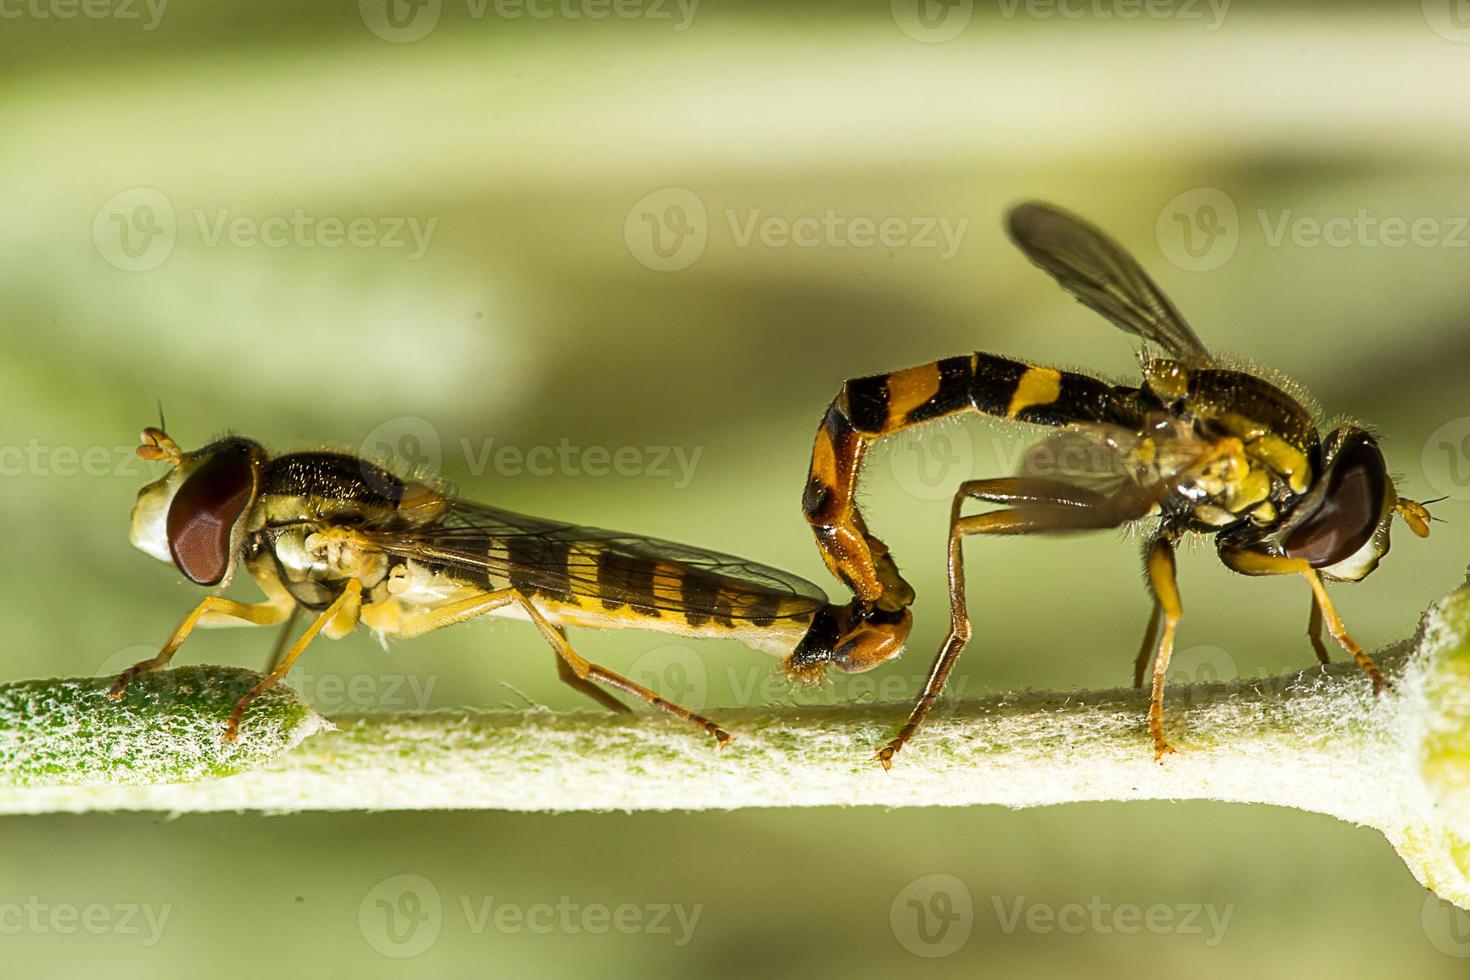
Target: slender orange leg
569,677
1314,633
1340,634
1161,578
1146,649
389,619
282,639
1040,506
1254,563
209,612
338,619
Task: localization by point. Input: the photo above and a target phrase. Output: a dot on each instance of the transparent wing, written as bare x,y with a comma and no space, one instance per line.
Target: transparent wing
1101,458
1121,464
1095,269
540,556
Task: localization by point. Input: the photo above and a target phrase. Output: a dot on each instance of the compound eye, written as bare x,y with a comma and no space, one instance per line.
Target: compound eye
204,512
1350,509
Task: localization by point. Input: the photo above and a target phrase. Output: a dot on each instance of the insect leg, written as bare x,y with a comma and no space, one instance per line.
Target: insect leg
569,677
212,611
1314,632
1146,649
419,623
1249,562
1162,581
337,619
282,639
589,671
1067,508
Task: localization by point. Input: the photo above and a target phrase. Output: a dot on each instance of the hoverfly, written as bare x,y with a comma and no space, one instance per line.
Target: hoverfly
351,542
1198,447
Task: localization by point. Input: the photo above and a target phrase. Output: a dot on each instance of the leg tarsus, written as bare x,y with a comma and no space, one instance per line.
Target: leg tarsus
259,614
348,603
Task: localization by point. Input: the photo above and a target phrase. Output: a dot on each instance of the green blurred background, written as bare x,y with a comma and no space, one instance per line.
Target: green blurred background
539,156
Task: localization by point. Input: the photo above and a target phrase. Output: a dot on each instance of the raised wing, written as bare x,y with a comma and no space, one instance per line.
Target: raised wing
1100,275
550,559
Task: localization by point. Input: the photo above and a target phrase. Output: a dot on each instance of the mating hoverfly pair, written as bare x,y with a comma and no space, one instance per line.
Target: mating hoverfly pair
1196,447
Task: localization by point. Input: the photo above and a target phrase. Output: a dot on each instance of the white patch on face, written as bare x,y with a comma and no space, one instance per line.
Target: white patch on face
150,517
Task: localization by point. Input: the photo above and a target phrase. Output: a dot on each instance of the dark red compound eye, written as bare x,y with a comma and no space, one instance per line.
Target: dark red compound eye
1350,509
202,517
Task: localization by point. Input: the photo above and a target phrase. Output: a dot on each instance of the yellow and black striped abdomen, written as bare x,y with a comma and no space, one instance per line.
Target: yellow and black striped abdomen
985,383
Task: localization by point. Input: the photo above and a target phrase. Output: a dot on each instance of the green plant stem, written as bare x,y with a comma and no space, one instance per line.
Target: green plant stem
1316,740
